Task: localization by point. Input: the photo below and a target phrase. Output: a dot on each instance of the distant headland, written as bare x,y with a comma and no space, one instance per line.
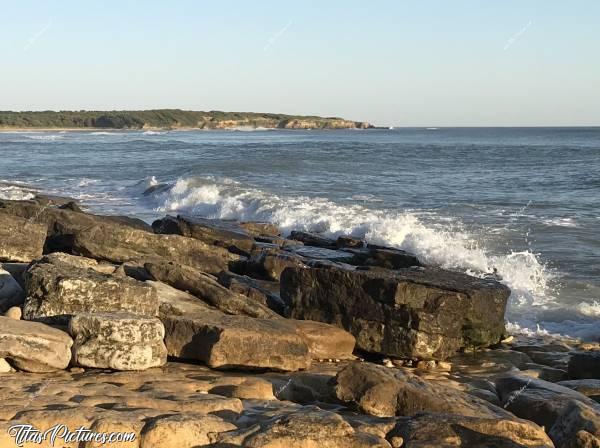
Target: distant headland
169,119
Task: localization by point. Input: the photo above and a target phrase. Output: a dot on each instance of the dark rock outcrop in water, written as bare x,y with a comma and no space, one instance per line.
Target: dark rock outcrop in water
412,312
214,295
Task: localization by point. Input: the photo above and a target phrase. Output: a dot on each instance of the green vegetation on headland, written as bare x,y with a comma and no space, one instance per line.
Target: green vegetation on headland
170,119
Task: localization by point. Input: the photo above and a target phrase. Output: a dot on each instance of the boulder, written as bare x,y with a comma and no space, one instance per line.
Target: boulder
584,365
426,313
346,241
20,239
216,232
11,293
119,341
60,290
267,262
120,244
262,291
183,431
33,346
577,427
325,341
63,223
305,428
225,341
313,239
173,302
432,430
537,400
14,312
385,392
208,289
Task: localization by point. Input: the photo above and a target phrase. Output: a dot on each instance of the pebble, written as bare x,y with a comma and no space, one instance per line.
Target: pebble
14,313
4,366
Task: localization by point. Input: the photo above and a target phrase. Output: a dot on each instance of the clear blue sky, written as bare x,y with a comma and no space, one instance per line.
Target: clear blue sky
411,63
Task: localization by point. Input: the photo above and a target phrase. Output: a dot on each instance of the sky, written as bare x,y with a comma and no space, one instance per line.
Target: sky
392,63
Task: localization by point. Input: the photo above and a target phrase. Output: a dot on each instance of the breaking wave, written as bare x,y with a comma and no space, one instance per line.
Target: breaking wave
440,243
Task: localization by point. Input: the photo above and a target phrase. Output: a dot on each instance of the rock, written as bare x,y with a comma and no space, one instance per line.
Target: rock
349,242
173,302
491,361
4,366
208,289
20,239
11,293
578,426
14,313
216,232
224,341
183,431
305,428
256,228
267,263
120,244
63,224
78,262
246,388
34,347
59,290
119,341
325,341
588,387
128,427
258,290
432,430
537,400
585,365
387,258
385,392
425,313
17,270
313,239
547,373
321,253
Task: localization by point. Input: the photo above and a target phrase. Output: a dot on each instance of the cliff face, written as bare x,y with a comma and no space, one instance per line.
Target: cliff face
170,119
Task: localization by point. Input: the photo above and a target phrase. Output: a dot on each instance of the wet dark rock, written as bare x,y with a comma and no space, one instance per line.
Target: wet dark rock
585,365
267,262
313,239
426,313
577,427
349,242
384,258
588,387
216,232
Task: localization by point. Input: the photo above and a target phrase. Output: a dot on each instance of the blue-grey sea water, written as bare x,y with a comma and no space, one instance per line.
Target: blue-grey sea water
525,202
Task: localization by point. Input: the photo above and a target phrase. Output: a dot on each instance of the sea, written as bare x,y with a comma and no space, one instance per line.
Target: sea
521,202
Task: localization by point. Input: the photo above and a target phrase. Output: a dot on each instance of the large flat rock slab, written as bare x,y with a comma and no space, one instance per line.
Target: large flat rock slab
61,290
226,341
20,239
425,313
33,346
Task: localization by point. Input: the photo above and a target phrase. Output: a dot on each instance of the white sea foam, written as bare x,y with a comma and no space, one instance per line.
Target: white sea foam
104,133
560,222
443,243
154,133
15,193
51,137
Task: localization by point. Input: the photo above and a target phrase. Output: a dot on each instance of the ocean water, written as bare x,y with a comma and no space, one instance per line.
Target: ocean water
522,202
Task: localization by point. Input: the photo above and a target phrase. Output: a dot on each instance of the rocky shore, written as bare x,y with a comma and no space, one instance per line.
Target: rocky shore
192,332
